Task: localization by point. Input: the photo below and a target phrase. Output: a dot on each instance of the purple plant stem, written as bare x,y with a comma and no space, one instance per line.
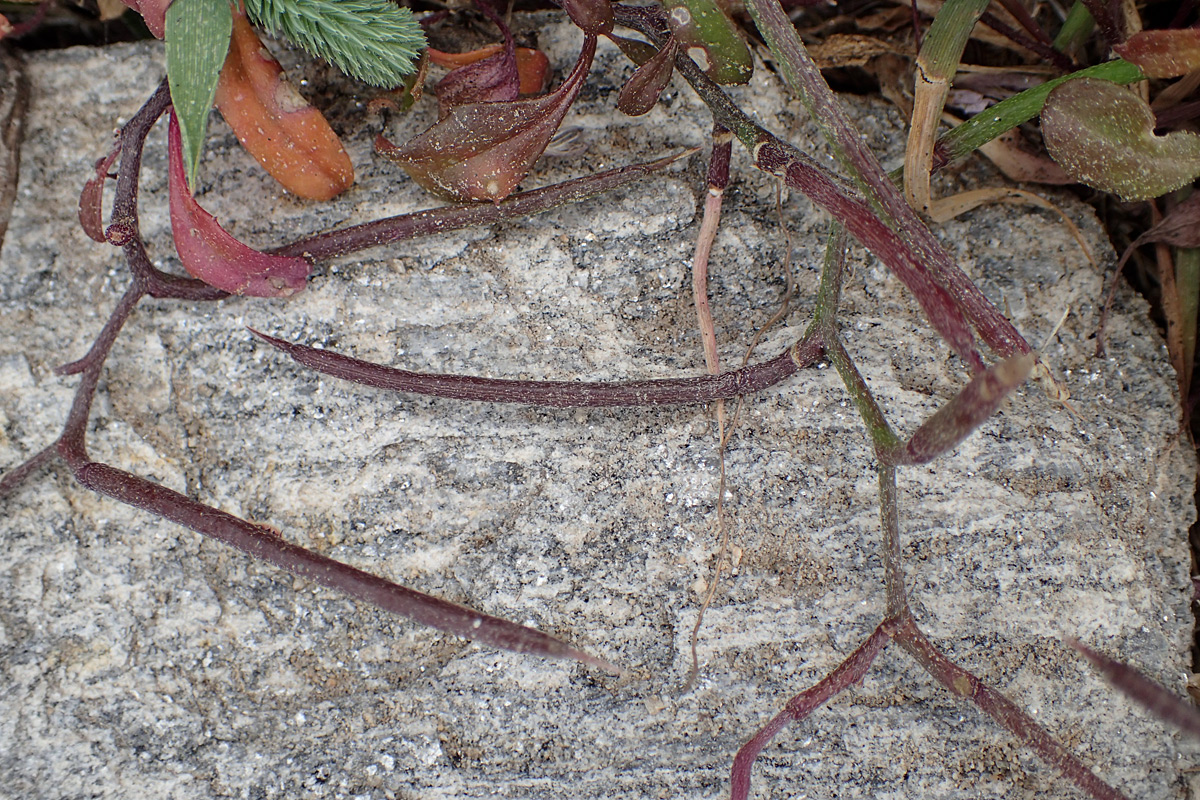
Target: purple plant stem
265,544
951,424
17,475
1150,695
124,230
1026,21
777,158
850,146
33,23
72,443
449,218
1000,708
1038,42
558,394
262,542
848,673
256,540
919,245
1105,20
878,428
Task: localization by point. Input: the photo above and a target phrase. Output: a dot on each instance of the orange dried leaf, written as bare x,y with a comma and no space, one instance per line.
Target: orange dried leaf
290,138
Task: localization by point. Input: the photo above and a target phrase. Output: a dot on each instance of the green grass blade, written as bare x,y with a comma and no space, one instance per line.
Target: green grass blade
1077,27
197,40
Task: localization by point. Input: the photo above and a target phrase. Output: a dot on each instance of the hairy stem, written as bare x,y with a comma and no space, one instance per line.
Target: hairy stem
557,394
1002,710
848,673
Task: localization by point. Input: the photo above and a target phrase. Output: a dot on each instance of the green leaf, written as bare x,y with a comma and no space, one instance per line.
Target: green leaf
375,41
710,38
197,40
1103,135
1008,114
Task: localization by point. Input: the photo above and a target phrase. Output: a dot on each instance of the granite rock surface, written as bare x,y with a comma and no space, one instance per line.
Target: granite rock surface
138,660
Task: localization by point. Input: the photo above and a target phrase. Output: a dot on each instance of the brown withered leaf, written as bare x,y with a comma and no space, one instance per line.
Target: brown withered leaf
1180,227
849,50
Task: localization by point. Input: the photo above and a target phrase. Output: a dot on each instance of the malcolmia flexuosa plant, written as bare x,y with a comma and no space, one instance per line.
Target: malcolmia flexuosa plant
495,121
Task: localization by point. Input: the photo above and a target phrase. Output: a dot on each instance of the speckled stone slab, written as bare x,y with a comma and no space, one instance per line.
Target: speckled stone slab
138,660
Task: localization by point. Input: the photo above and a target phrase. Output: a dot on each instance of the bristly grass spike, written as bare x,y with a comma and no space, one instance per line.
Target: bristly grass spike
374,41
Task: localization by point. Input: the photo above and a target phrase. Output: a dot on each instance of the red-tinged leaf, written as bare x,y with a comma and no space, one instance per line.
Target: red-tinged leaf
492,79
210,253
533,67
154,13
1163,53
481,151
91,199
595,17
489,80
1153,697
1103,135
966,411
647,82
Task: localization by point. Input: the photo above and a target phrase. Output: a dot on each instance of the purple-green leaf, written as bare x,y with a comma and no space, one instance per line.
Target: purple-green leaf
641,91
1103,136
482,151
708,36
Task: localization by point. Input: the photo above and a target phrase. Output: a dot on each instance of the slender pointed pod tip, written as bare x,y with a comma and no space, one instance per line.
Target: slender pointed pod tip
598,663
951,424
